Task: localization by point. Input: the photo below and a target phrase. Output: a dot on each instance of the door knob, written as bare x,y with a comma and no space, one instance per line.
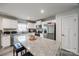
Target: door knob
62,34
74,48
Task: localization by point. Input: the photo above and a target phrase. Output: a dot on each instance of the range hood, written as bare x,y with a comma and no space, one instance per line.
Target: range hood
9,30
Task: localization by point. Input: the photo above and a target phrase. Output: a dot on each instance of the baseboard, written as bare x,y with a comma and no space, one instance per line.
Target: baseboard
6,47
71,52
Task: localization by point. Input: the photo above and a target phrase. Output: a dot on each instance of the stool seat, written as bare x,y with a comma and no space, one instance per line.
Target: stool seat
18,48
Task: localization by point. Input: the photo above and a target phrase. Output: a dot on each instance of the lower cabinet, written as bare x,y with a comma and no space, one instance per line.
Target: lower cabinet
5,41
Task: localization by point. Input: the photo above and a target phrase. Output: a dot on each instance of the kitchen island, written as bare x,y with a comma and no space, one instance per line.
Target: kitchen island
40,46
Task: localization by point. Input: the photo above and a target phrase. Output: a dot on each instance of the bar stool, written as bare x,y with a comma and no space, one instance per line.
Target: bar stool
18,48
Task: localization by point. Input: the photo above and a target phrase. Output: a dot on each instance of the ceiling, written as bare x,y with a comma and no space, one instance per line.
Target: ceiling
31,11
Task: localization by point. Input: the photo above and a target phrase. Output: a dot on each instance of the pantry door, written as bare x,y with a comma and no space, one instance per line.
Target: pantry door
69,33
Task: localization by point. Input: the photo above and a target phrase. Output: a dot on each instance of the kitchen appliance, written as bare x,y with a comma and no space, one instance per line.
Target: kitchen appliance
50,31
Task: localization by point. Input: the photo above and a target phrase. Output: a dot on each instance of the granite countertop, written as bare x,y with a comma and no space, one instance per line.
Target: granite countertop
40,46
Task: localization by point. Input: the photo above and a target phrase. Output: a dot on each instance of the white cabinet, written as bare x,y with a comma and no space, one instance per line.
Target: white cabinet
9,23
5,40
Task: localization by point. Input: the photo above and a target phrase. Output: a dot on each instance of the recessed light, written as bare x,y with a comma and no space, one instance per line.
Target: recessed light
30,18
42,11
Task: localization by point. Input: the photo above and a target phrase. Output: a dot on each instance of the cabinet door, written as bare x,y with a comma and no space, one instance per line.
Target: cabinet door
69,33
9,23
5,41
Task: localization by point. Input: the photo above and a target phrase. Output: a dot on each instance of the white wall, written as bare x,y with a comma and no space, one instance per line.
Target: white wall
53,21
58,21
0,23
58,28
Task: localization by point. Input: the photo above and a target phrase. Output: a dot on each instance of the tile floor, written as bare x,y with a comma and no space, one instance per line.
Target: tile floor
6,51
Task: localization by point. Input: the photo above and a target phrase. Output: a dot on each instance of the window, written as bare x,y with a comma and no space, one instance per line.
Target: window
22,27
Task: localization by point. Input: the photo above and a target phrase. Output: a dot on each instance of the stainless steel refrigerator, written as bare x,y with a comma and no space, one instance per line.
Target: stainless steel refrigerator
50,31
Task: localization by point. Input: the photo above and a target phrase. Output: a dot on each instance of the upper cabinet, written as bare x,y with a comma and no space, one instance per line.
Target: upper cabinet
9,23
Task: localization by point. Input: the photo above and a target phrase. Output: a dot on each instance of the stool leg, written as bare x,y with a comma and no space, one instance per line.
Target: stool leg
21,53
13,52
25,50
16,54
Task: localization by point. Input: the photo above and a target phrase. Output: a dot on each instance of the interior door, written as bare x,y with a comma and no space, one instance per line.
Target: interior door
69,33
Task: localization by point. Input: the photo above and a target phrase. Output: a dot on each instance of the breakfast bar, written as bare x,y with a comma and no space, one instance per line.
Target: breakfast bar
41,46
